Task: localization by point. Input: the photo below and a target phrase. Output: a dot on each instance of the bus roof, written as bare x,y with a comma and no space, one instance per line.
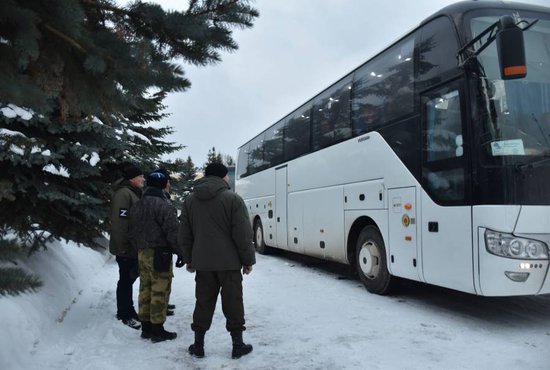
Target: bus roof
454,11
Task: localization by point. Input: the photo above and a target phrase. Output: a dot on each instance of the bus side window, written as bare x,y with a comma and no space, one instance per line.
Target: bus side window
443,127
297,134
383,89
273,144
444,162
242,162
330,116
256,161
438,50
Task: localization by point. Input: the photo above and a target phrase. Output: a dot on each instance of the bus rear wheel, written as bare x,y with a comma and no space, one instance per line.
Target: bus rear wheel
259,242
370,261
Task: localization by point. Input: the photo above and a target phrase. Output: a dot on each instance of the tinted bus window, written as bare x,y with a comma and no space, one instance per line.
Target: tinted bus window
297,134
444,127
273,144
383,89
444,162
256,161
405,139
438,50
331,116
242,162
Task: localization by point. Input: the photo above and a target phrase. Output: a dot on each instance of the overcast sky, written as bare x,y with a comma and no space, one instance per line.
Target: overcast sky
295,49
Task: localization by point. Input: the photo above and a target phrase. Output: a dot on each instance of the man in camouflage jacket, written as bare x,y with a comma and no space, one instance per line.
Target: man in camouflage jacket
153,232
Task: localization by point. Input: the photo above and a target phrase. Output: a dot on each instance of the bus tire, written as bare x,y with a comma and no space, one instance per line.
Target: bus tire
370,261
259,242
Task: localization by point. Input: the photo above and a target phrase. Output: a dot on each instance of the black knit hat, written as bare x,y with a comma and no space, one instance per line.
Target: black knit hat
215,169
132,171
157,179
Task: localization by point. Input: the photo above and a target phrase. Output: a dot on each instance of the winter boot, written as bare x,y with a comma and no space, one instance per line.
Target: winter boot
169,312
146,329
197,349
158,334
171,306
239,348
134,324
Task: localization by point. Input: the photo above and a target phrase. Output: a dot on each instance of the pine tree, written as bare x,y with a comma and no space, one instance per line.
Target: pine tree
82,84
188,173
228,161
213,157
182,175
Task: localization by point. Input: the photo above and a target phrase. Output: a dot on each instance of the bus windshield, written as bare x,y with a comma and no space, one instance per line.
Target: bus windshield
516,113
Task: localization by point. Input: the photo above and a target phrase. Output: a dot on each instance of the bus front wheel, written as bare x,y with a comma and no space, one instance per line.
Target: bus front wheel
259,242
370,261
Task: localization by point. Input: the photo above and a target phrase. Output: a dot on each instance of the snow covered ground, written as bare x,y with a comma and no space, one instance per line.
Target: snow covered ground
300,314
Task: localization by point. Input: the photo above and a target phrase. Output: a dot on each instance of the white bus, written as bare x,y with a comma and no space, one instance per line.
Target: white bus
430,161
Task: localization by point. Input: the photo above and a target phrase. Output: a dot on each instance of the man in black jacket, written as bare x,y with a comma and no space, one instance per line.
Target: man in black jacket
216,240
153,232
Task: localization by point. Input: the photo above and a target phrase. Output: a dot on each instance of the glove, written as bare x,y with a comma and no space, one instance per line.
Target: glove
179,262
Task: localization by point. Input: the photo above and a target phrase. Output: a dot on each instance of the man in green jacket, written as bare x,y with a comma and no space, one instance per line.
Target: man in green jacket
127,192
216,240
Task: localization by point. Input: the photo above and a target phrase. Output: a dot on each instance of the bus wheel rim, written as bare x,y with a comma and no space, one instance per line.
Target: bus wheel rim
258,236
369,260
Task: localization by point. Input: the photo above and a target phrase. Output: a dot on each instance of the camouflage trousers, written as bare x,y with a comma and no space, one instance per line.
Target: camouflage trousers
154,288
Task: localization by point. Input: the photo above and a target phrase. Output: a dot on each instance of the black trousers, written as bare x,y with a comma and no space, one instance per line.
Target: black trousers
207,287
128,271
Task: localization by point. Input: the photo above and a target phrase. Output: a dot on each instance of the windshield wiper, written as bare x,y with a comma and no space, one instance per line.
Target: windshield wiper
540,129
469,52
534,164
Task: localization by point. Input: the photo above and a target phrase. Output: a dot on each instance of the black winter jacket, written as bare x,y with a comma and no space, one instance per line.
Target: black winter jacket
215,232
153,222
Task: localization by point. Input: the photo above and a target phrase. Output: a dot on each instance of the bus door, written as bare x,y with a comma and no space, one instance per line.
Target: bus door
281,193
403,260
447,249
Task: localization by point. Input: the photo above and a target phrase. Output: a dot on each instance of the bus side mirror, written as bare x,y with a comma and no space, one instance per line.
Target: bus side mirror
511,51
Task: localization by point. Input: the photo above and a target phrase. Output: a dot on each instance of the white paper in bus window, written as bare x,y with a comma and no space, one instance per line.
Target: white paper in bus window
507,147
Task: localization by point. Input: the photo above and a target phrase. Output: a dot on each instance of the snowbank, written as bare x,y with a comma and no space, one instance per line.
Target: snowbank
28,319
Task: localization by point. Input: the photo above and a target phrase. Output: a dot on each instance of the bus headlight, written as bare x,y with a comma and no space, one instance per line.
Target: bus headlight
508,245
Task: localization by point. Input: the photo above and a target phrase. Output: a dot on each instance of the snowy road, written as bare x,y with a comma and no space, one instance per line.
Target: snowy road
309,317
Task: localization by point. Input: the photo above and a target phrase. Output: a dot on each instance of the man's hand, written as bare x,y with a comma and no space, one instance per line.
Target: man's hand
190,268
247,270
179,262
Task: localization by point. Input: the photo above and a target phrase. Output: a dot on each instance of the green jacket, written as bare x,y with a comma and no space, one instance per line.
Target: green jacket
215,232
124,197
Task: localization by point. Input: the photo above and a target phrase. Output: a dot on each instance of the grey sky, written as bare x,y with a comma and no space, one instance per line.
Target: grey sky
295,49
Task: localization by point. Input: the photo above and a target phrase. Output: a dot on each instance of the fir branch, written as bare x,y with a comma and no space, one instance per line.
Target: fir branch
65,37
9,250
111,8
216,9
14,281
